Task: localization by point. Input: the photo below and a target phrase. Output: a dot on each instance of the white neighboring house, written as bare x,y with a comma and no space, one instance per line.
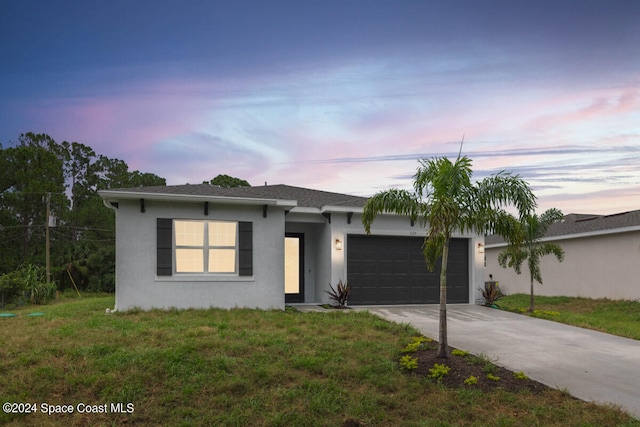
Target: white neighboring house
602,259
200,246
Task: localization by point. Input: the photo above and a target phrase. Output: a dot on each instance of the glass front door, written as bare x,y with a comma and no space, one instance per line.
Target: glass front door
294,267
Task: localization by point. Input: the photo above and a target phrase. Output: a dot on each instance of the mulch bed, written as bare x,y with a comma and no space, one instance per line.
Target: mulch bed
463,367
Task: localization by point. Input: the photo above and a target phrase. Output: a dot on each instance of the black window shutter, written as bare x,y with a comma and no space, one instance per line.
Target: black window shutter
165,247
245,248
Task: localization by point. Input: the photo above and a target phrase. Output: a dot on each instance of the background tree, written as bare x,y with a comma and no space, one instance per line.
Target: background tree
525,245
32,172
226,181
91,259
114,173
445,200
83,241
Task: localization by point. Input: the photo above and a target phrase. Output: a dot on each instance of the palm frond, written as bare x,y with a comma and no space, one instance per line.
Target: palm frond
399,202
442,178
432,250
524,243
505,189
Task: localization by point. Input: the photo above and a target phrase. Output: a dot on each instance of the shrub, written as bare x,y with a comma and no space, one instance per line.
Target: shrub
36,288
471,380
11,288
460,353
491,293
409,363
42,293
438,371
340,294
29,282
493,377
416,344
520,376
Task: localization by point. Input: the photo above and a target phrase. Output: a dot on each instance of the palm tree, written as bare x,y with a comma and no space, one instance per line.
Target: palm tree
525,244
445,200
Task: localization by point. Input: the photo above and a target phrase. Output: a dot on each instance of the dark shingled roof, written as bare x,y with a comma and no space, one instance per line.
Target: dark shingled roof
304,196
585,223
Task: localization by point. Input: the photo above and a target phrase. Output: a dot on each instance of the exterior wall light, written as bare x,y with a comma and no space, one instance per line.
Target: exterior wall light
480,248
338,244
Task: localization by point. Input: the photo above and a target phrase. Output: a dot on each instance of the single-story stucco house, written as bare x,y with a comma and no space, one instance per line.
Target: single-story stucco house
602,259
200,246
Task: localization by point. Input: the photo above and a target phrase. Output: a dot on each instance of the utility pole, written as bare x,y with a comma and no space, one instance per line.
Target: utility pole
48,245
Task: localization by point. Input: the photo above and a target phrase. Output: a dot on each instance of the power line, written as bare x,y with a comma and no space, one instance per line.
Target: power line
12,239
42,193
83,228
7,227
83,239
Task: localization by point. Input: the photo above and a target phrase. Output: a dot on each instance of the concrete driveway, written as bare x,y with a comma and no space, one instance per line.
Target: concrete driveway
590,365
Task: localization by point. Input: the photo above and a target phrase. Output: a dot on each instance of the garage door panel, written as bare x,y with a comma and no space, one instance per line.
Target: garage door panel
424,294
386,295
392,270
385,266
402,267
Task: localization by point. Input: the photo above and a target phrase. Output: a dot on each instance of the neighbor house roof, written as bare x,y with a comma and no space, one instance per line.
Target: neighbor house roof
269,194
584,225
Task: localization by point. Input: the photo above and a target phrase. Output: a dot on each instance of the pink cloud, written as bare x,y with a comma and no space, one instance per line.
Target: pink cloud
291,130
603,202
584,107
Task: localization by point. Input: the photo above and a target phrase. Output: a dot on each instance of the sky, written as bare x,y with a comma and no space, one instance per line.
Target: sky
337,95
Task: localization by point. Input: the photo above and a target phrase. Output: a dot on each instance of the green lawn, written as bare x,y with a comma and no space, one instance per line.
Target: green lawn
617,317
243,368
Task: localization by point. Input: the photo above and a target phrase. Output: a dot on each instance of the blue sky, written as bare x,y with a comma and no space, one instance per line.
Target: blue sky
337,95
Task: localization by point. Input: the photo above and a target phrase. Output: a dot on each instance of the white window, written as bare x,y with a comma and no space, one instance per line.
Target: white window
206,246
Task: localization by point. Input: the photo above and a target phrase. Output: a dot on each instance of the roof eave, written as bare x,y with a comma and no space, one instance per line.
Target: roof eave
576,235
342,209
131,195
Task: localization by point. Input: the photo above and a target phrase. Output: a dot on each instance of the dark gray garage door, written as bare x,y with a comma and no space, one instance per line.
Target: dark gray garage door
392,270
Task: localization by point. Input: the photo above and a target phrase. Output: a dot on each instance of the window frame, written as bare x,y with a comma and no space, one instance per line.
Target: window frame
165,255
206,248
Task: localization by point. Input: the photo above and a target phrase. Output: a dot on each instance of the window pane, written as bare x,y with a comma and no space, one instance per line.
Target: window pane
222,260
189,233
189,261
222,233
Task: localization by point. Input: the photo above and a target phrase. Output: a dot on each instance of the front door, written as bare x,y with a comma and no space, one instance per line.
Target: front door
293,267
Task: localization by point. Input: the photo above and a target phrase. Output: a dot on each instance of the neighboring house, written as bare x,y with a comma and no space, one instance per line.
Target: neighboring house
204,246
602,259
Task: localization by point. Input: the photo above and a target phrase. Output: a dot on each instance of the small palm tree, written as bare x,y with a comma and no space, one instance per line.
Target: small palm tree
525,244
445,200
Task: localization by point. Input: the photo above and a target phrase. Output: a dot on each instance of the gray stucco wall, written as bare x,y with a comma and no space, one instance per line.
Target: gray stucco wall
392,225
137,284
605,266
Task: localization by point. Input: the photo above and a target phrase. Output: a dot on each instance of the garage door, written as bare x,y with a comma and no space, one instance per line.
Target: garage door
392,270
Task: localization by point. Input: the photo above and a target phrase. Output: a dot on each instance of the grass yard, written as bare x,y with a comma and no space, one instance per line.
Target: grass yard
243,368
615,317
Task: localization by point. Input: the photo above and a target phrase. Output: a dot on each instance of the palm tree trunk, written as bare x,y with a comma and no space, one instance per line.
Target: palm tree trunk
443,346
531,298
